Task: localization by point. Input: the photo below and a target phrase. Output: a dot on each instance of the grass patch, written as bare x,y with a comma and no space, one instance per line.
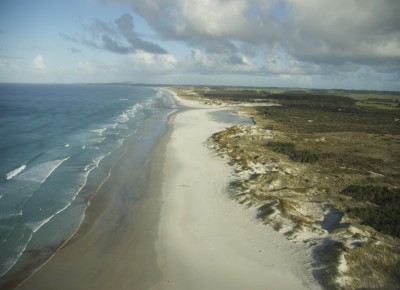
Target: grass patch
374,264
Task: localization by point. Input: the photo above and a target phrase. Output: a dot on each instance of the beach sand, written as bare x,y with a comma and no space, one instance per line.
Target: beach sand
205,239
183,233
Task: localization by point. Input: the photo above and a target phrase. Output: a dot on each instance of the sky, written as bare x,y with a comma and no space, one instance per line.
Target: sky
345,44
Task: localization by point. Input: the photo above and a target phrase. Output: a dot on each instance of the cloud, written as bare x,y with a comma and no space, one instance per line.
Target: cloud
80,40
126,28
199,61
321,31
117,37
299,41
146,62
210,24
113,46
38,63
85,67
337,32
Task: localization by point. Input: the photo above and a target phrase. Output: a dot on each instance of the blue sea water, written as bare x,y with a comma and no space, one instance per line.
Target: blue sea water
58,145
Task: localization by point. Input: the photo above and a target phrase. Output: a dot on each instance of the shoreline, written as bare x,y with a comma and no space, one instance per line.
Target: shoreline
111,250
206,240
184,232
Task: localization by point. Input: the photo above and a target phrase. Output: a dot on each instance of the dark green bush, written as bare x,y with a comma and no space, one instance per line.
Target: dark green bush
304,157
281,147
380,195
386,217
289,149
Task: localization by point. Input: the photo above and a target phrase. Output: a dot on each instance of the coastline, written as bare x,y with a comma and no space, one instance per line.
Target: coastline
183,232
205,239
112,249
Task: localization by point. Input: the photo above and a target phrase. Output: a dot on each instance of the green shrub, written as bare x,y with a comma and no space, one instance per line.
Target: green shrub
304,157
380,195
386,217
289,149
281,147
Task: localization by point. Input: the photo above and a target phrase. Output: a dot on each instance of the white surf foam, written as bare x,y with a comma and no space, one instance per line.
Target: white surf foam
35,226
41,172
97,160
15,172
76,192
132,112
123,127
123,118
99,131
95,163
111,126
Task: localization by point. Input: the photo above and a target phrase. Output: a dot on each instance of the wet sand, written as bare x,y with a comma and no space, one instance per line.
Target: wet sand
114,247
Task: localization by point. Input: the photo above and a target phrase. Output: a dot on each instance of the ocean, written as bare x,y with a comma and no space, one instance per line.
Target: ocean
59,144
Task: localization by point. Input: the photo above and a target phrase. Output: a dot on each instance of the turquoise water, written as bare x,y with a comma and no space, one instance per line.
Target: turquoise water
58,145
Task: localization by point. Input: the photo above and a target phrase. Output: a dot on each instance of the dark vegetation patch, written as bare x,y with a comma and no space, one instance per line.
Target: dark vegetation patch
384,214
291,97
309,119
303,156
314,100
380,195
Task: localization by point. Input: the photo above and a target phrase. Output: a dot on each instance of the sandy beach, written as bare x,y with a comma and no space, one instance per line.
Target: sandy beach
183,233
206,240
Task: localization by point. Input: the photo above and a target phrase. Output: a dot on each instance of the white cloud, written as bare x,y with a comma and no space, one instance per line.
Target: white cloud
320,32
202,62
205,23
85,67
344,31
38,63
390,49
211,17
152,63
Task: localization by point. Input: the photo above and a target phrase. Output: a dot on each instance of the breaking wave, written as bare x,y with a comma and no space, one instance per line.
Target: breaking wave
41,172
15,172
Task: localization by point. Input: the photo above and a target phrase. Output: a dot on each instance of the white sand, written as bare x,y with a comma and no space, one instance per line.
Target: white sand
206,240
